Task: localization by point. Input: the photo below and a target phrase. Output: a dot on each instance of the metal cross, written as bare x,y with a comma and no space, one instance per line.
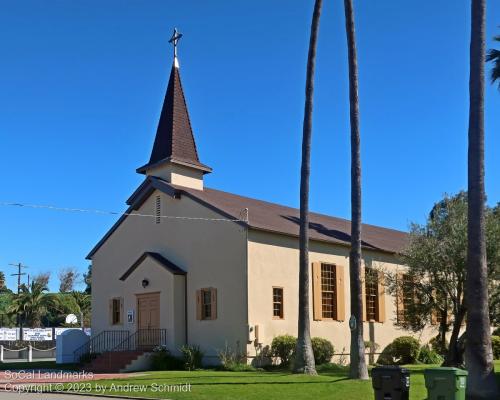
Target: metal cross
174,39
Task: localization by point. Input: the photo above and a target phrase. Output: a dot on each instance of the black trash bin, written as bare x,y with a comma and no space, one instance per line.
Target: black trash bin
391,382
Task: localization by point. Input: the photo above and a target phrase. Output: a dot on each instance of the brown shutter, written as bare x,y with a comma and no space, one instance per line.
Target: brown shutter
111,311
121,311
339,290
400,309
363,292
213,294
317,304
381,296
198,304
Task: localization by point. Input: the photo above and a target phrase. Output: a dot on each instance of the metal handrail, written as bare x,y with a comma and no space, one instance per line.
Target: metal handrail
98,344
143,339
140,340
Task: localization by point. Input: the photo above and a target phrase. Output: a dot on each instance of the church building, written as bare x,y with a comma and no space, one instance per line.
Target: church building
195,265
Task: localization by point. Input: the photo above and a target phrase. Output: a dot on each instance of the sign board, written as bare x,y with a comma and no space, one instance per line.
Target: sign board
37,334
130,316
11,334
88,331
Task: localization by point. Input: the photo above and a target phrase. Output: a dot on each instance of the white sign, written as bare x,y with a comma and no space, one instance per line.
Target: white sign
11,334
130,316
37,334
88,331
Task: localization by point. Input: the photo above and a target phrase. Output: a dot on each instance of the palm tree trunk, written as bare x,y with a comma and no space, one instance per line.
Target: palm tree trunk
358,368
304,357
481,382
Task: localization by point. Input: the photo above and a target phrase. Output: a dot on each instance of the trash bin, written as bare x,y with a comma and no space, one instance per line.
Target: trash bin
391,383
445,383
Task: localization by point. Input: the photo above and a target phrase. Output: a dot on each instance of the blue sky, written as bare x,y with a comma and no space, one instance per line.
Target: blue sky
82,84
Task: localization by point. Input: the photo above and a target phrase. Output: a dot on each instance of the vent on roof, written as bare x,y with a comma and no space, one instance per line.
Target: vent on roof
158,210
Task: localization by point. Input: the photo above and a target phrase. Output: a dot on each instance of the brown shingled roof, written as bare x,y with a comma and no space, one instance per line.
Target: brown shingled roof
266,216
285,220
174,136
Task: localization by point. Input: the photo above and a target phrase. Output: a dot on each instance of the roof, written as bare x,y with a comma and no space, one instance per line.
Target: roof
270,217
174,141
165,263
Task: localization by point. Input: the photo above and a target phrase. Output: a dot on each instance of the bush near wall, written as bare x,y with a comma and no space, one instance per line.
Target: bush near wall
323,350
283,347
495,342
429,356
403,350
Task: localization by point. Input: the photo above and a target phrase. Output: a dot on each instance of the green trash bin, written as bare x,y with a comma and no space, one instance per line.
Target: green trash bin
445,383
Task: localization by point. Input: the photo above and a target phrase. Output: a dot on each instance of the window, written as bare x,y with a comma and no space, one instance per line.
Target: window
158,210
371,291
206,304
115,310
406,296
278,303
328,303
328,291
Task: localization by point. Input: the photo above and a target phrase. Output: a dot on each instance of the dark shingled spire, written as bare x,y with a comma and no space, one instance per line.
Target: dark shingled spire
174,140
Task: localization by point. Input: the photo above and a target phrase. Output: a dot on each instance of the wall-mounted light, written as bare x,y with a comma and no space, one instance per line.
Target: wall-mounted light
145,282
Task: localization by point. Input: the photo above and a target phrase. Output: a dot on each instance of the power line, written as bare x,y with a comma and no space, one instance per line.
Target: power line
243,213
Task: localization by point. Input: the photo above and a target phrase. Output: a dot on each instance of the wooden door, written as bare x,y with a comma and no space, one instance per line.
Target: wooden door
148,320
148,311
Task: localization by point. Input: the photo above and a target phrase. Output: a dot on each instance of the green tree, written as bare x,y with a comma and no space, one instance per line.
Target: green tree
494,57
436,256
32,303
87,278
304,359
481,382
358,367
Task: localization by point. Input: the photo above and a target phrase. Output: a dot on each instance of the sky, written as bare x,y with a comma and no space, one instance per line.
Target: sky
82,85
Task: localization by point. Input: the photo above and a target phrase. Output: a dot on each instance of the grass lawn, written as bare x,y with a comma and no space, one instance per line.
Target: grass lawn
208,384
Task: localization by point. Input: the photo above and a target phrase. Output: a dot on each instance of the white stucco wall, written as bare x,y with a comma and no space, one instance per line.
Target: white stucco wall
212,253
274,261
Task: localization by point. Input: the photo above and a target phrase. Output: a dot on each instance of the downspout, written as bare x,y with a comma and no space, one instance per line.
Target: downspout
185,311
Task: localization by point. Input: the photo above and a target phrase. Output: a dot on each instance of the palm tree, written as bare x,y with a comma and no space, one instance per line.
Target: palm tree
304,357
358,368
32,303
494,57
481,382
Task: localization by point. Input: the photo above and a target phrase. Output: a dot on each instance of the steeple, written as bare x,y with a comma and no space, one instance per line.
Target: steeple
174,156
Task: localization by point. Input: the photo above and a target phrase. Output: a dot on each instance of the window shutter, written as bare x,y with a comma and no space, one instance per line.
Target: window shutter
120,321
198,304
339,288
400,308
110,311
317,303
213,294
363,292
381,296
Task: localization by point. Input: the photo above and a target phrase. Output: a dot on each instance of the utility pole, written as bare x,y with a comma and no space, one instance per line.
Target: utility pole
19,274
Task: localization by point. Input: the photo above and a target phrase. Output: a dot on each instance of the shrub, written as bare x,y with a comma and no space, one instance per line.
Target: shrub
233,360
323,350
437,346
495,342
403,350
192,356
496,332
429,356
263,356
163,360
283,346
